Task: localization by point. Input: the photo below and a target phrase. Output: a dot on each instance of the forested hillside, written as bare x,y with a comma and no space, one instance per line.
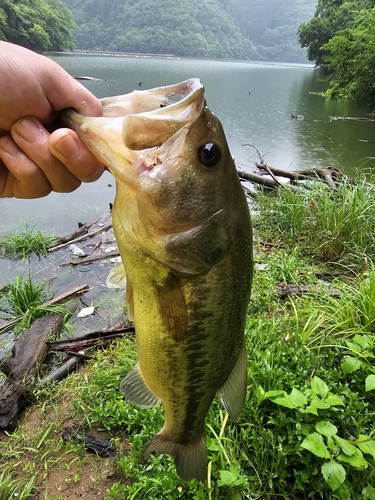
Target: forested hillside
240,29
272,25
163,27
245,29
38,25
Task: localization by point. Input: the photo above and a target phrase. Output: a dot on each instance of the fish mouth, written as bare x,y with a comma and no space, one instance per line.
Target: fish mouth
135,122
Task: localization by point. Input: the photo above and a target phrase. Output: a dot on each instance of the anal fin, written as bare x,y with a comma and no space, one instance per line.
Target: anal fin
233,391
136,391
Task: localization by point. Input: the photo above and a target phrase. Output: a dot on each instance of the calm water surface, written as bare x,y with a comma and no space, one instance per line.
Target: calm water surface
254,102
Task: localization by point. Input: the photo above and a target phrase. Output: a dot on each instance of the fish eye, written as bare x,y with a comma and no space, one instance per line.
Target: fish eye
209,155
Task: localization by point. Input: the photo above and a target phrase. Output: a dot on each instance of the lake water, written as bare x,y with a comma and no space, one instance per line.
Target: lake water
254,101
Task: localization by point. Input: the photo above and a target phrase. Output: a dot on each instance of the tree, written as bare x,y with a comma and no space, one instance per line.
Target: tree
330,17
351,60
37,24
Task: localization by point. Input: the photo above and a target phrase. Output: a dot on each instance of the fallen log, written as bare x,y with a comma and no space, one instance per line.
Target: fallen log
83,261
23,365
90,339
271,177
257,179
62,371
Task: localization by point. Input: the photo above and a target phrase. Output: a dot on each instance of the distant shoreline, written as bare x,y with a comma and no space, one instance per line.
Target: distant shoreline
112,53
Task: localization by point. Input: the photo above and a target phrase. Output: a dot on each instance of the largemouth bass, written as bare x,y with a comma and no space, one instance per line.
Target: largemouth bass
183,228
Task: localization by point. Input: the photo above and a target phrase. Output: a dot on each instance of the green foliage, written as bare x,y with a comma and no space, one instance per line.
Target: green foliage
25,300
337,213
39,25
248,30
150,26
25,242
11,488
330,17
340,39
351,60
341,456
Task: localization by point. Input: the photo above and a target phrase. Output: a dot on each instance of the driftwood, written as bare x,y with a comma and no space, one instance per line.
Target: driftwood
23,365
97,240
75,347
82,261
81,237
90,339
82,229
83,232
352,118
272,178
63,370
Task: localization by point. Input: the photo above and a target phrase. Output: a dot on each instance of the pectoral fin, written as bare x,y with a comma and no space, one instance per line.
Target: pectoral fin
117,277
136,391
173,310
233,391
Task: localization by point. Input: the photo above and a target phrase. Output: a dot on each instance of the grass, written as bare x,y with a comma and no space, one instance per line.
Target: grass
331,225
307,429
25,242
10,488
25,301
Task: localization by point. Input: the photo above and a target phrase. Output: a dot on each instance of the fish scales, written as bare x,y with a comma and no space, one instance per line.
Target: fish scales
183,228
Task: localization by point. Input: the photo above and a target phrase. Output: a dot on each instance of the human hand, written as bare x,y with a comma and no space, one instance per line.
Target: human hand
33,161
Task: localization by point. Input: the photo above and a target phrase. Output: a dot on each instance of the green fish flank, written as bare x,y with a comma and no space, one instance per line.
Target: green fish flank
182,224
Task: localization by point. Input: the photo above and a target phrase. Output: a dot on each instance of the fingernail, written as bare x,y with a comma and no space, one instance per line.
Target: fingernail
28,130
7,145
68,147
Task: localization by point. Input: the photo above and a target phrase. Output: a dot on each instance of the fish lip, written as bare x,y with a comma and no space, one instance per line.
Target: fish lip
154,100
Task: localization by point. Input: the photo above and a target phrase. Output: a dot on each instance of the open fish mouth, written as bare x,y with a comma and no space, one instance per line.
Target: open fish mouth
140,120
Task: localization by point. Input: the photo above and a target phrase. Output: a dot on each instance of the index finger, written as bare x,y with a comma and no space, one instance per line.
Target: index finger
63,91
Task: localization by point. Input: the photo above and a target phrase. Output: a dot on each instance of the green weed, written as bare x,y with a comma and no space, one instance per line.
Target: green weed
25,242
334,225
25,300
11,488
